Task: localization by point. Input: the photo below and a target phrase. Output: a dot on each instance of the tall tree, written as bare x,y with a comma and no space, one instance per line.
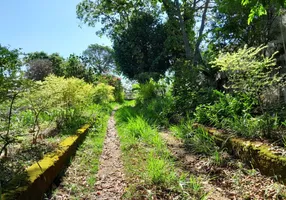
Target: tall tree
38,69
99,58
140,51
57,63
54,61
115,16
74,67
9,71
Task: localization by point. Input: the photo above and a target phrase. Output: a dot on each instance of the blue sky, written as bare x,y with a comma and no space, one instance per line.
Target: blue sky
50,26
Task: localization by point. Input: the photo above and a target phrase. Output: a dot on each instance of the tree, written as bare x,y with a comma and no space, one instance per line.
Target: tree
99,58
75,68
38,69
113,15
57,63
116,16
12,85
35,55
45,64
139,51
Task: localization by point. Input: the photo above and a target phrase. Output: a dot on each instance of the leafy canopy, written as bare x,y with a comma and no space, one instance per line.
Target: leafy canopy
140,51
99,58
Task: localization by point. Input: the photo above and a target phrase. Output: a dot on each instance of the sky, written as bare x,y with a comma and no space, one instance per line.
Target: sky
50,26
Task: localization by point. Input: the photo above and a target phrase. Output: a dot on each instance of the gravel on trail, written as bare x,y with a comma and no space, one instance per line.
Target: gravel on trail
110,178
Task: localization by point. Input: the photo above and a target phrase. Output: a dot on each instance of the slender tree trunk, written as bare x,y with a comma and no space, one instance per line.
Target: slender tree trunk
197,54
8,141
184,33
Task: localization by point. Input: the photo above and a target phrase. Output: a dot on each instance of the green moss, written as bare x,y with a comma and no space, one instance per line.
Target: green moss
256,154
38,169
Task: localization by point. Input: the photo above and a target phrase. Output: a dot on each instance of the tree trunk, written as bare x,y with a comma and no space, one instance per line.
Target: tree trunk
197,54
184,33
172,14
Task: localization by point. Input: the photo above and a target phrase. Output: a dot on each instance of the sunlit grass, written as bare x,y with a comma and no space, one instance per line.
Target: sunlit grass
80,177
148,163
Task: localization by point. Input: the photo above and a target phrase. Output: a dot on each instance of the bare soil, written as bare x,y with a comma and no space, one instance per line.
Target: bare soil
110,178
230,180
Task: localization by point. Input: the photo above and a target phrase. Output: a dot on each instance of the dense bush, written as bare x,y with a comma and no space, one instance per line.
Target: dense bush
114,82
103,94
154,101
250,72
190,88
234,113
63,99
226,106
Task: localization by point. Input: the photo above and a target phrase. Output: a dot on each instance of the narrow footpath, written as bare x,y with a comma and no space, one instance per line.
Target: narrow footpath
110,178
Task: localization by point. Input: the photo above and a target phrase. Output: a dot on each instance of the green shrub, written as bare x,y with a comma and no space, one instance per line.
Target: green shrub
103,93
225,107
200,141
158,170
249,72
184,129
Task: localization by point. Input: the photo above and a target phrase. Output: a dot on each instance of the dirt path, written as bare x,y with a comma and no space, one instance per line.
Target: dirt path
110,178
233,180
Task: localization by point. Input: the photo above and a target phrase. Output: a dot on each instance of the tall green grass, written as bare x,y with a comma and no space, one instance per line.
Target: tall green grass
147,160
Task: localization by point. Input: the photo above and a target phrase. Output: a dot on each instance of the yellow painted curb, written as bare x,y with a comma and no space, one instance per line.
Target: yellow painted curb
40,175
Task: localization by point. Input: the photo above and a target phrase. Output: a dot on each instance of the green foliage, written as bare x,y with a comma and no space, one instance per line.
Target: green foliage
74,67
139,50
260,7
10,75
154,101
99,58
56,98
249,72
12,85
41,64
199,141
157,170
103,94
184,129
226,106
230,29
114,16
234,113
190,89
115,82
149,91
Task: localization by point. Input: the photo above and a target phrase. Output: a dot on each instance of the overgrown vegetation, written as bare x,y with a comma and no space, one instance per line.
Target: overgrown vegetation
36,115
190,64
150,168
86,161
